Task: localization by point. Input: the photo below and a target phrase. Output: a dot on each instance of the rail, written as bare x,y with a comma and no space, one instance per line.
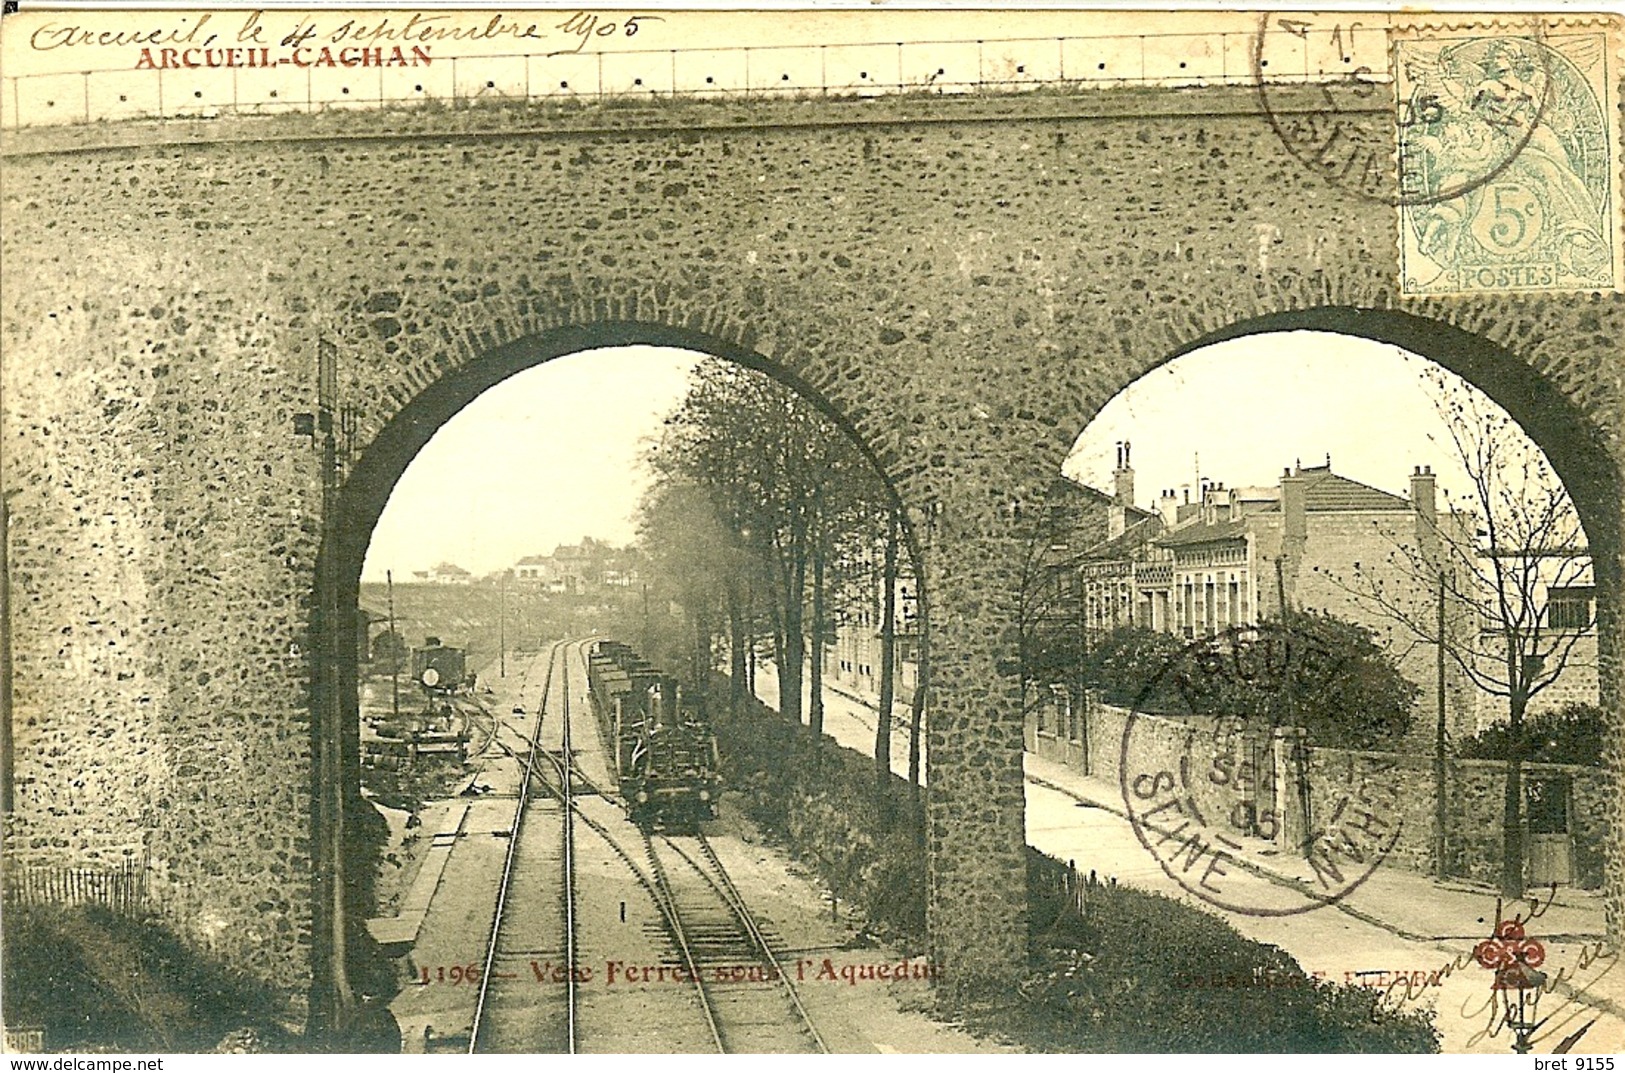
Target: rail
653,880
513,844
723,883
289,82
567,799
654,885
679,934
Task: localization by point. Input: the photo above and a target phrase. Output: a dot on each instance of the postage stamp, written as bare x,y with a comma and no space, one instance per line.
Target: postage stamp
1508,159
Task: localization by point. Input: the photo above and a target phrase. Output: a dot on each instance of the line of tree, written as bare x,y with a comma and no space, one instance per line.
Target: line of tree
765,520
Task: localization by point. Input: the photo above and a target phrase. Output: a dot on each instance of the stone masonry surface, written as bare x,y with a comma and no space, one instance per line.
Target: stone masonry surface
965,285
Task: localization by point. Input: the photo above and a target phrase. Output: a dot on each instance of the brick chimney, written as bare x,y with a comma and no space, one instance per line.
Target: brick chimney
1123,477
1294,527
1424,503
1122,492
1168,507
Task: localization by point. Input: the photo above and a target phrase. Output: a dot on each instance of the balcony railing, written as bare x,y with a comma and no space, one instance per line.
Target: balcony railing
1153,575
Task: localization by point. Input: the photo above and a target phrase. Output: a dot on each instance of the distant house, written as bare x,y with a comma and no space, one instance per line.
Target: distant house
444,574
577,568
534,570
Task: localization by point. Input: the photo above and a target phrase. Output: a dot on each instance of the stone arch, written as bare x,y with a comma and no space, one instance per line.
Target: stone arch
355,511
1574,440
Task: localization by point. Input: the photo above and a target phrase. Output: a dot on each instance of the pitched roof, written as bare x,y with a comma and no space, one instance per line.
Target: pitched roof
1202,532
1140,532
1326,491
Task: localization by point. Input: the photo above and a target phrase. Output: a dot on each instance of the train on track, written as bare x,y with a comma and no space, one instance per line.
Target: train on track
663,752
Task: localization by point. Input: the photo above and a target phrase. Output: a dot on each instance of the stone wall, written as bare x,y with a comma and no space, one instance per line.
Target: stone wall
1474,790
1217,773
1477,805
1474,806
1409,806
963,284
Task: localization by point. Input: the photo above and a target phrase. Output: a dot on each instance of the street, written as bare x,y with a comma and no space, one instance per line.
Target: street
1395,923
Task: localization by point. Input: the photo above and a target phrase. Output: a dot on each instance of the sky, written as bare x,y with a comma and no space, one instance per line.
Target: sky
544,458
553,454
1246,409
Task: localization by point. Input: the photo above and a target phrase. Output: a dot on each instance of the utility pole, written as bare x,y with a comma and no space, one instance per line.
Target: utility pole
1439,811
394,651
1080,709
502,626
646,648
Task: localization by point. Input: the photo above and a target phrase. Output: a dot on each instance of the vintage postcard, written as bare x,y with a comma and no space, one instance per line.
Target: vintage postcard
847,530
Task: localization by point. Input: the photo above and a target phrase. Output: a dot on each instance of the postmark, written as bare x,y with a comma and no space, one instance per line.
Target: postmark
1507,159
1323,84
1212,771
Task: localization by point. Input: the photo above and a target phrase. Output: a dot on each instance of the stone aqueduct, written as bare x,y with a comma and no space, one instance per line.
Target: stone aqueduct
965,283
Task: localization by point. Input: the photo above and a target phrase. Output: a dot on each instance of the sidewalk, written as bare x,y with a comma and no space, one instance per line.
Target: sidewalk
1396,928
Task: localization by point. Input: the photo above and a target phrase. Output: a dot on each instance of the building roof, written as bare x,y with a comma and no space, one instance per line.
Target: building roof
534,560
450,568
1326,491
1202,532
1140,532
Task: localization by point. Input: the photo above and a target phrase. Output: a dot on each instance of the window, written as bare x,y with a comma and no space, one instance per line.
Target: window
1569,608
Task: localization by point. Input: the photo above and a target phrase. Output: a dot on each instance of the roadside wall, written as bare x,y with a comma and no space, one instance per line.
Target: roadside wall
1474,790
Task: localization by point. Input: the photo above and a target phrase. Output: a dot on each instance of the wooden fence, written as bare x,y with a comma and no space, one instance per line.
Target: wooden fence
122,889
1056,888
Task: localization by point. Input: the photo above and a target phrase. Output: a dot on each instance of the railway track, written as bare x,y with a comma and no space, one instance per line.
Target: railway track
737,996
753,1001
535,862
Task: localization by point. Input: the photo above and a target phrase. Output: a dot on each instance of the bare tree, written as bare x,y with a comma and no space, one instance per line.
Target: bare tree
787,490
1494,558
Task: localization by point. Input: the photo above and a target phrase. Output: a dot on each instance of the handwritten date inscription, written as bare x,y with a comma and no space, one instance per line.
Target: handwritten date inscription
573,33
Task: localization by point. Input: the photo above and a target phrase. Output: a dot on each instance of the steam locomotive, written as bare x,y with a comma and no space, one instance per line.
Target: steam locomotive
664,755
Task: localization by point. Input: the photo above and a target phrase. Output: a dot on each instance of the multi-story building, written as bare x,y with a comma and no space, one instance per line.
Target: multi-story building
1562,633
534,570
1237,556
1098,590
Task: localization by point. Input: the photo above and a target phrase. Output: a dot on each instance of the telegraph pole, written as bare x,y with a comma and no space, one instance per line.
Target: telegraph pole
502,626
394,650
1439,810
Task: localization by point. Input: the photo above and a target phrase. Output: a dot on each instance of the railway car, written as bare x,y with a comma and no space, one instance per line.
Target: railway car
662,750
438,667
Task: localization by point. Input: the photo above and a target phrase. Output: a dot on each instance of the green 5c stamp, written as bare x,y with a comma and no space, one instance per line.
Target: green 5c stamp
1508,160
